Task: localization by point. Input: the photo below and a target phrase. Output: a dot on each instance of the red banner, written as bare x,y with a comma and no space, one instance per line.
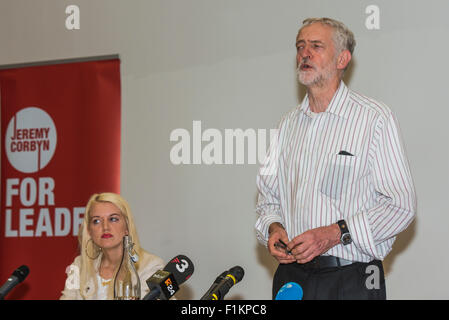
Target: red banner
60,136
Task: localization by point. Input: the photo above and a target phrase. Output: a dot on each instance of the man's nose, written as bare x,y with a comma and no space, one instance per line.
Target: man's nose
304,54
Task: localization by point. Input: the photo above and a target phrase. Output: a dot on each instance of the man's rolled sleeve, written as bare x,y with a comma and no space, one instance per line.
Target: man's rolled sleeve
268,206
395,193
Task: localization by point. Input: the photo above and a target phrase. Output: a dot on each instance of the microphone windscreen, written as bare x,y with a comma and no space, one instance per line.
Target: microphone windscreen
290,291
21,272
237,272
181,267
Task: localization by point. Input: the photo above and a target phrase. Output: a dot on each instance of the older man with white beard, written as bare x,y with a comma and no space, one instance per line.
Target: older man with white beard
342,189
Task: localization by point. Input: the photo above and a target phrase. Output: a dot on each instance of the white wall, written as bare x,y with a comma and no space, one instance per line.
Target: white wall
230,64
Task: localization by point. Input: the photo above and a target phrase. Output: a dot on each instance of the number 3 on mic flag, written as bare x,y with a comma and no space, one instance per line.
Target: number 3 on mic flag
182,266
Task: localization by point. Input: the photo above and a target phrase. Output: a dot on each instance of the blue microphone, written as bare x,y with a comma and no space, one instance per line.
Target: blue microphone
290,291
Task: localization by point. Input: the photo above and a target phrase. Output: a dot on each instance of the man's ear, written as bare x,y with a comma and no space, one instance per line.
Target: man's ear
343,59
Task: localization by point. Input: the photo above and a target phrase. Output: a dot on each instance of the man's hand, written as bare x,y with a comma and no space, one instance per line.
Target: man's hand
277,232
314,242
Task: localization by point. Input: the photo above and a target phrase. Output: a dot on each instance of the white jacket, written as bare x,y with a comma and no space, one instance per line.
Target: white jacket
149,264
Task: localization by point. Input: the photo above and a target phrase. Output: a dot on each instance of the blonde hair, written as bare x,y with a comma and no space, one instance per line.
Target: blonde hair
88,270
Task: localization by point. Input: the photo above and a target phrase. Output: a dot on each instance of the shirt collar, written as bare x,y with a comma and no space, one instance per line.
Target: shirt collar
337,106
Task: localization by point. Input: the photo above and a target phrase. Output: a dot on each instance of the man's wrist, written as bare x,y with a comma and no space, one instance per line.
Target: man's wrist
335,233
275,226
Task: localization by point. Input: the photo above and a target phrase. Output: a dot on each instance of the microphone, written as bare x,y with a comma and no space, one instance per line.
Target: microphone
290,291
220,278
223,283
17,277
165,283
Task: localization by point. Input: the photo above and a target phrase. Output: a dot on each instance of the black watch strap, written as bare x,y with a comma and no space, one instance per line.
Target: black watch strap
345,236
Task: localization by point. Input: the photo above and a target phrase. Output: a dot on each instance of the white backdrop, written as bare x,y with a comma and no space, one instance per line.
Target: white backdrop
231,64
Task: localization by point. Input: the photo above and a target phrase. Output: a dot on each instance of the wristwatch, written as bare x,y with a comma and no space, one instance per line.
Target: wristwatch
345,237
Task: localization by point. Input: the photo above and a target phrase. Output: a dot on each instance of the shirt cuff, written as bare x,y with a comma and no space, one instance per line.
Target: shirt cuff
361,235
263,224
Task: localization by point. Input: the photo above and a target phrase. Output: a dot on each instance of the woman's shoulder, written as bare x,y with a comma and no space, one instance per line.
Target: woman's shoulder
149,264
149,260
72,283
76,262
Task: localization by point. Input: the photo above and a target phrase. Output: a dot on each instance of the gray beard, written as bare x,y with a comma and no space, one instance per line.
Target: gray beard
319,80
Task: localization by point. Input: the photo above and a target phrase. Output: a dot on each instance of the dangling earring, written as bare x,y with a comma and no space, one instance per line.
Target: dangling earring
96,249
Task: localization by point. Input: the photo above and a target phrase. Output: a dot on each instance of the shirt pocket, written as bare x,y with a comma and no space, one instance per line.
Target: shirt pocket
338,174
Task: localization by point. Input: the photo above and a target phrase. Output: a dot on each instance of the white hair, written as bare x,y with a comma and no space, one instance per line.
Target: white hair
343,37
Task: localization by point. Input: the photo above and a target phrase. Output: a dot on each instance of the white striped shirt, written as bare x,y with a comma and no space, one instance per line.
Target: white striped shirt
312,185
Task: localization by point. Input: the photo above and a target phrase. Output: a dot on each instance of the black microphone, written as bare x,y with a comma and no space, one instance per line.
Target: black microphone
165,283
217,281
17,277
219,290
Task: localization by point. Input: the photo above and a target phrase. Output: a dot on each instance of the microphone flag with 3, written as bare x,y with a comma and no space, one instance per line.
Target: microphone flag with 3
290,291
223,283
165,283
17,277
